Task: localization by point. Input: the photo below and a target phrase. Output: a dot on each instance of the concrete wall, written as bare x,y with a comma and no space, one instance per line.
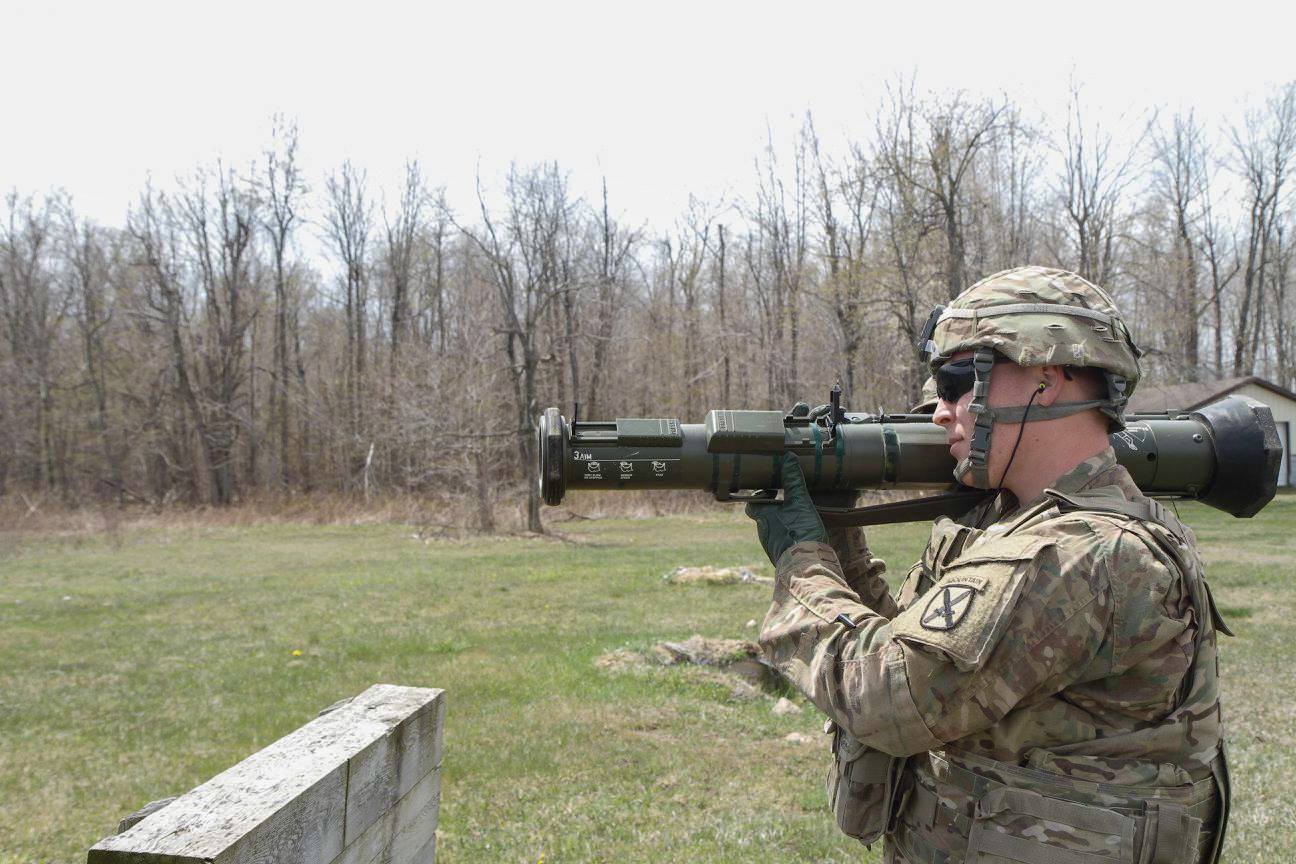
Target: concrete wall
358,785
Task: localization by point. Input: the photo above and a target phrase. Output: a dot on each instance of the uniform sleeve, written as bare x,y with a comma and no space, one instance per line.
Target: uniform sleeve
864,574
854,674
1013,620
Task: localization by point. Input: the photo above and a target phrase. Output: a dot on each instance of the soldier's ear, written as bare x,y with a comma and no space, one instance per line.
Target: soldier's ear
1048,388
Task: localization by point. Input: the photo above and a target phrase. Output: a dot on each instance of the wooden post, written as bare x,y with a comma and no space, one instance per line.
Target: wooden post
356,785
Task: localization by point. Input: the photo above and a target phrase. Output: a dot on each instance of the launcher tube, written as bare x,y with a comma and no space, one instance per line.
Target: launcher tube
1225,454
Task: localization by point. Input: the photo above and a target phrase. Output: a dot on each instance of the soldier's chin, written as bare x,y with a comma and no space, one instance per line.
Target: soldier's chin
966,479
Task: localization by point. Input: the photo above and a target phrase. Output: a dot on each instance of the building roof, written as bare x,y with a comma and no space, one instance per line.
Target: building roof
1155,398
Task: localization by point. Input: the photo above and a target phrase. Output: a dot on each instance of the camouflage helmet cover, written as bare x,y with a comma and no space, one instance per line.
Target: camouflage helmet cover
928,400
1010,313
1033,316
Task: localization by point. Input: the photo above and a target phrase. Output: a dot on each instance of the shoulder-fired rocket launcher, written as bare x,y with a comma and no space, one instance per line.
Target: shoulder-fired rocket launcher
1225,454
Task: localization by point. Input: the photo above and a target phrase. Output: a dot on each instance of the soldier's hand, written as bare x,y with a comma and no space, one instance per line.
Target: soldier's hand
862,571
825,497
850,544
791,521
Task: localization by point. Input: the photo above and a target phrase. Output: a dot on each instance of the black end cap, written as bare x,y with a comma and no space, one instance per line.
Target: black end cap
551,435
1247,455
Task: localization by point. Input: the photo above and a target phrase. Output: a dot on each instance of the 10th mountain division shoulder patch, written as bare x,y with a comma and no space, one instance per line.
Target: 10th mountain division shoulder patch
948,606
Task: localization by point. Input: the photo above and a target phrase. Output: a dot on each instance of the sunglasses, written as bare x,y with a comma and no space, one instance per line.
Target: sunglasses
955,378
958,376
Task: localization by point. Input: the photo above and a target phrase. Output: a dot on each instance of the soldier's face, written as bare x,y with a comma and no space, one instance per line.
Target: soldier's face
1010,384
955,418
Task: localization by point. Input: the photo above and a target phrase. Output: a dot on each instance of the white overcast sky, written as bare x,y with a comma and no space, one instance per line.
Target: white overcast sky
665,98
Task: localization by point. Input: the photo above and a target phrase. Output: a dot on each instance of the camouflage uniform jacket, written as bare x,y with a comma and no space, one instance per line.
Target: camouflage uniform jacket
1061,641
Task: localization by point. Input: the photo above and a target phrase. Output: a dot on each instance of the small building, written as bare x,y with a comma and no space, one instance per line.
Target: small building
1152,398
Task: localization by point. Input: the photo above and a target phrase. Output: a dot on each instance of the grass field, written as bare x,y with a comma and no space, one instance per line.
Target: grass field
137,665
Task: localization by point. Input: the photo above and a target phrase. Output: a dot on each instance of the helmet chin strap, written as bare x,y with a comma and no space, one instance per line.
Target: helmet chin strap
1021,429
977,462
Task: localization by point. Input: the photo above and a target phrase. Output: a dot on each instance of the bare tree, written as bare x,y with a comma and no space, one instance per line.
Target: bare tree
89,274
720,257
349,223
402,235
614,248
779,219
219,215
1179,179
907,222
1222,264
432,312
1006,198
687,255
283,188
1262,154
523,250
950,134
32,309
845,246
1094,179
154,228
1283,328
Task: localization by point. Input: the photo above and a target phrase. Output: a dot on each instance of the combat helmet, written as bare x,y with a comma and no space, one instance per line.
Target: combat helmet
928,399
1033,316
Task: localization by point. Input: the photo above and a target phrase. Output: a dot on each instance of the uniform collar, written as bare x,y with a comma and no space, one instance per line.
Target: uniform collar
1100,469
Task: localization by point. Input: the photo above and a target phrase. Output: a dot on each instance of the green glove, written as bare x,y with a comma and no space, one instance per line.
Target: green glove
825,497
781,526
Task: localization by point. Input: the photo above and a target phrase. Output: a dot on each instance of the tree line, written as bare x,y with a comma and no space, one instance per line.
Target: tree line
257,332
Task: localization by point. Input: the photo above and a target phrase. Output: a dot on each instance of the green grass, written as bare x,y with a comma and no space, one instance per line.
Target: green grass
136,667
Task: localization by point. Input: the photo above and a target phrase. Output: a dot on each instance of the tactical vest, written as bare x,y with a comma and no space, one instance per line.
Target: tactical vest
957,806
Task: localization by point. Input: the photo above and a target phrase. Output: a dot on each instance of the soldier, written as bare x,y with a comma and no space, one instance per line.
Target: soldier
1044,687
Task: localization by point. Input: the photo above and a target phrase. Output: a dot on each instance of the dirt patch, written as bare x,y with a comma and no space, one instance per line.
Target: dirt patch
738,688
785,706
735,664
710,575
701,651
620,660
